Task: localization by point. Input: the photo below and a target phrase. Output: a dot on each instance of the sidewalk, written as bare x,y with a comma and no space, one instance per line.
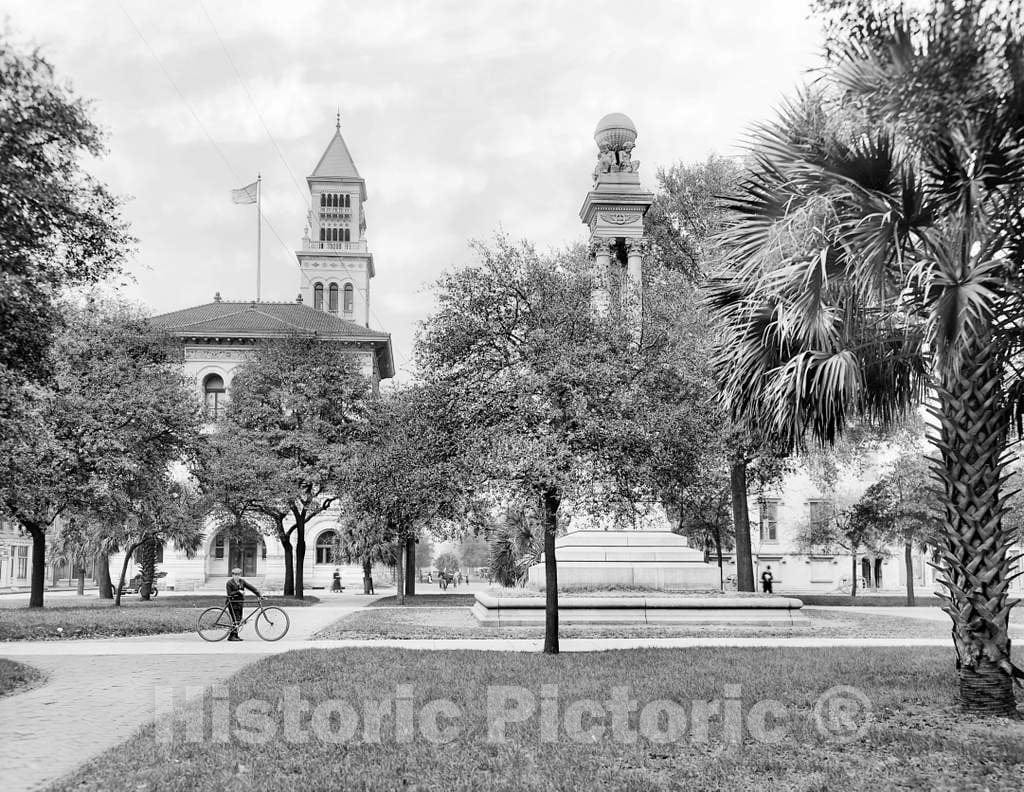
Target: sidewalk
97,693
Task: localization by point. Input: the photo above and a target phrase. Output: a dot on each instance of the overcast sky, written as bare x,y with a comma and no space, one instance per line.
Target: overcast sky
462,117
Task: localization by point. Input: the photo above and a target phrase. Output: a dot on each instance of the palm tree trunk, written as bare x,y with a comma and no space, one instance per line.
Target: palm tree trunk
976,567
124,571
81,580
853,555
552,500
103,576
741,520
147,569
908,558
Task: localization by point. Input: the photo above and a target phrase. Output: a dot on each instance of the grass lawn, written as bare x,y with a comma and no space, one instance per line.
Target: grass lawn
870,601
14,676
91,617
423,620
828,600
913,739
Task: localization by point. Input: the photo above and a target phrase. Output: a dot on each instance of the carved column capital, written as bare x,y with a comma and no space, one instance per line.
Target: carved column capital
637,246
601,245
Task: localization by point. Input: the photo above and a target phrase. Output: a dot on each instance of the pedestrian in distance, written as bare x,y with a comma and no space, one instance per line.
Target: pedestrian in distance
766,580
236,586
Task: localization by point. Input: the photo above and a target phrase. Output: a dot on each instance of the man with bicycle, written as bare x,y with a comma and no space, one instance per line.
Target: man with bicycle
236,598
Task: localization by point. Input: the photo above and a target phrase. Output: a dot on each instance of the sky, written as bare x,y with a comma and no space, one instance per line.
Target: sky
464,119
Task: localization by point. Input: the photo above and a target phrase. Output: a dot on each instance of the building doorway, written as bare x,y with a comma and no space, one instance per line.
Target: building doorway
865,571
242,555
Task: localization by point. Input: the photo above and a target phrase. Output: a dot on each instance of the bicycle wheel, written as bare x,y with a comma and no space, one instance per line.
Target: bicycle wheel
271,624
214,624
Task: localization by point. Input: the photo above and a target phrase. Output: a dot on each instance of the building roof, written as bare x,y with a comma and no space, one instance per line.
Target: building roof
336,163
256,320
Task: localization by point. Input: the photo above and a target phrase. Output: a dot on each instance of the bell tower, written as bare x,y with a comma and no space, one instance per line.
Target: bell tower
335,265
614,212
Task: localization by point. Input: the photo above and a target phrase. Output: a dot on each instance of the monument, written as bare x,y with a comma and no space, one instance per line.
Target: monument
628,576
614,212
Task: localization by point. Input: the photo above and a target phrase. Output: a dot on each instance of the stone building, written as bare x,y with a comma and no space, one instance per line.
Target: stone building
333,304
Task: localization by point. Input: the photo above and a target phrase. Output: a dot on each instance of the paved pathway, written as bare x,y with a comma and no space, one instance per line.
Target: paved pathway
97,693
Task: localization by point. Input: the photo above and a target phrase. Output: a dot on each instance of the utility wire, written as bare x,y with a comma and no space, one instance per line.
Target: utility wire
227,162
303,194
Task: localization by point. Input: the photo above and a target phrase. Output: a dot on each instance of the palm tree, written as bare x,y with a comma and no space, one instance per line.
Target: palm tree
875,262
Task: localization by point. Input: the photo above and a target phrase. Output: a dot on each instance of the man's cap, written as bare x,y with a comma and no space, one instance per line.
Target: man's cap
236,571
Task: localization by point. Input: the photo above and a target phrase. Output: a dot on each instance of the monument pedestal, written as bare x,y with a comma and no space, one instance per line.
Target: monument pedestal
658,560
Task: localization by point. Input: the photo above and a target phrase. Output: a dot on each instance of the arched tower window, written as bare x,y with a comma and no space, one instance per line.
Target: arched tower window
348,200
214,395
323,199
325,543
348,298
333,298
318,296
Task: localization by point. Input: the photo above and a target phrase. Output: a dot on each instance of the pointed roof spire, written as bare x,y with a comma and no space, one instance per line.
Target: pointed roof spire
336,162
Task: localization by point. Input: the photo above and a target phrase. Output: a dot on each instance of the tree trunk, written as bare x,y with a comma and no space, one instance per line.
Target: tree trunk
300,558
400,572
410,566
367,576
124,571
718,552
81,581
741,519
908,558
552,500
973,424
147,570
38,535
289,559
853,590
103,576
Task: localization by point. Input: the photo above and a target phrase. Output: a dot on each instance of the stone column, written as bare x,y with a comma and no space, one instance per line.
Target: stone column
600,249
633,286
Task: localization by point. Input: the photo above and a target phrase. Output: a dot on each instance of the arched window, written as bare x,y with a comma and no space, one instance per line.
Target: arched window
348,200
325,543
346,236
348,298
214,395
323,199
318,296
323,234
333,298
334,200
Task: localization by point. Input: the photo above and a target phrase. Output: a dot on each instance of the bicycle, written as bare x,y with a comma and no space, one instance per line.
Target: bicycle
215,624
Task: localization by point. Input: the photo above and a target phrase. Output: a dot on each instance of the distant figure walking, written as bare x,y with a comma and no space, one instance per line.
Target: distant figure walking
766,580
336,583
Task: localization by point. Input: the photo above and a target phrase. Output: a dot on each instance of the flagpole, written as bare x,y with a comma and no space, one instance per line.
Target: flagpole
259,232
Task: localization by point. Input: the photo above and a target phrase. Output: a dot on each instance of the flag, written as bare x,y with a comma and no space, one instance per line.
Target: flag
245,195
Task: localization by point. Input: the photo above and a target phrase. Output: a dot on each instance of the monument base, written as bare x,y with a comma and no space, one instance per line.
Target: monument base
751,610
658,560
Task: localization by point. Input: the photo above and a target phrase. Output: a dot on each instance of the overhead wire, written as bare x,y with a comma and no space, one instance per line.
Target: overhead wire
227,163
303,195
